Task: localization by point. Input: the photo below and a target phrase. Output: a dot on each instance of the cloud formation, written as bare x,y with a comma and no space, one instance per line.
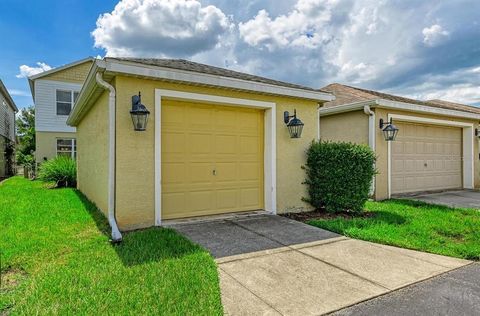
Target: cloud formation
405,47
160,28
433,34
27,71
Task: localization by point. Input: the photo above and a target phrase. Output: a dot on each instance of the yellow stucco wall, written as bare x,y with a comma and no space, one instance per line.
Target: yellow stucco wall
135,150
46,144
345,127
381,180
92,156
76,74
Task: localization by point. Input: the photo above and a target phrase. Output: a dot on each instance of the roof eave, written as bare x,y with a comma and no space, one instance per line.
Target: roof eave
389,104
168,74
88,87
9,98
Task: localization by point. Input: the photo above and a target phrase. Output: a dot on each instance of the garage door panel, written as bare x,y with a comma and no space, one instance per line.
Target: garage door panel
426,158
226,140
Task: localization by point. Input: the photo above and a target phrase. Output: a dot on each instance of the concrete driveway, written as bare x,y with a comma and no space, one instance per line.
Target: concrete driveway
460,198
270,265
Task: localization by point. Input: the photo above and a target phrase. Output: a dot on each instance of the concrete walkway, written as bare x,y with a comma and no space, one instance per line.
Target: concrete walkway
270,265
460,198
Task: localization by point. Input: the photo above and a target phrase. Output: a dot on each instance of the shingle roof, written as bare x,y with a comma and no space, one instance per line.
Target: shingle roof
187,65
346,94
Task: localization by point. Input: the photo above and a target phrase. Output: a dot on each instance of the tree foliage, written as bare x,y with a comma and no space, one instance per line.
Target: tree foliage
26,133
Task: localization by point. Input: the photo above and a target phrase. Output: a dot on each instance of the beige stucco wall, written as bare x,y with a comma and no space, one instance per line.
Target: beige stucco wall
92,156
345,127
46,144
135,150
76,74
381,180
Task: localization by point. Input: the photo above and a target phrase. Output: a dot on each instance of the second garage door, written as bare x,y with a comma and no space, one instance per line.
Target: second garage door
425,158
212,159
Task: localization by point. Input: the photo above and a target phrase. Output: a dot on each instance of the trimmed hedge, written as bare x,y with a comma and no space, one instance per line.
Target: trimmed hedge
61,170
339,176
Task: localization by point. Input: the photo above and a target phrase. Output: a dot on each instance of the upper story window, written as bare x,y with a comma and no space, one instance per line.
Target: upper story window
65,101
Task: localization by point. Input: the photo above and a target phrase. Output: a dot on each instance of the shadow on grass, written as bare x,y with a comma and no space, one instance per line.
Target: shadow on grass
419,204
143,246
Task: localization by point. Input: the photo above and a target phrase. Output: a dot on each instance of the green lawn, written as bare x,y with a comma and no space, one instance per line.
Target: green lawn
56,259
414,225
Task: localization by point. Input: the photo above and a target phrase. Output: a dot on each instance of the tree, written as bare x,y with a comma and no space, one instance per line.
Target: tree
26,134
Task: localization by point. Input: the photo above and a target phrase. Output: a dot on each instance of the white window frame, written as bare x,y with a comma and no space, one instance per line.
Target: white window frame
72,100
73,146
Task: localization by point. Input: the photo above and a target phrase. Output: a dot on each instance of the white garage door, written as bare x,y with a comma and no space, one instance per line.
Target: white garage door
425,158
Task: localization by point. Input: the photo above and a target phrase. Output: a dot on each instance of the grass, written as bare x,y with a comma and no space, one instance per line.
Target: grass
56,259
414,225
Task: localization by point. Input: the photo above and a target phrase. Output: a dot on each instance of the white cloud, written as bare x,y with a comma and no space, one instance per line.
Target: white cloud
160,28
303,27
434,34
27,71
376,44
19,93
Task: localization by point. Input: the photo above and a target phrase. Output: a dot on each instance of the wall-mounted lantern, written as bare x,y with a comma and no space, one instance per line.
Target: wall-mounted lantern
477,132
389,130
294,124
139,113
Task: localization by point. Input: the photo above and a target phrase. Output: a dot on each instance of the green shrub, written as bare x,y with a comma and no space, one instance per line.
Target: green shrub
61,170
339,176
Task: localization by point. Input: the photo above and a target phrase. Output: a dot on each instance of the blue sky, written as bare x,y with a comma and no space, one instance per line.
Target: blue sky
54,32
415,48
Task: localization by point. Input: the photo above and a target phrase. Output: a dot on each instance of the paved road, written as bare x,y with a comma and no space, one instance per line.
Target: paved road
453,293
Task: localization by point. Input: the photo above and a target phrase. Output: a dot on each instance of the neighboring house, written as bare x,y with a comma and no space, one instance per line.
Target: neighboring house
54,93
7,127
436,147
216,141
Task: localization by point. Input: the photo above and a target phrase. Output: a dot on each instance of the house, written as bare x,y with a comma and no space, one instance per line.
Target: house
436,147
215,141
7,130
54,93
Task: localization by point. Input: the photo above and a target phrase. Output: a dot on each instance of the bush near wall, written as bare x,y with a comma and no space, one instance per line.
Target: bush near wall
62,170
339,175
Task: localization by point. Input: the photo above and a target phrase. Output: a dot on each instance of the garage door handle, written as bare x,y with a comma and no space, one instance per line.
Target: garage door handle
214,172
425,164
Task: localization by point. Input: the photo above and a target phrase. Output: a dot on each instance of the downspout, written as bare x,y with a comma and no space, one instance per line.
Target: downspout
116,235
371,137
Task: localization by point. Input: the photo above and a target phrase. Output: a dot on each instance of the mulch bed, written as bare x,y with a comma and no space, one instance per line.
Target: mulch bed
321,214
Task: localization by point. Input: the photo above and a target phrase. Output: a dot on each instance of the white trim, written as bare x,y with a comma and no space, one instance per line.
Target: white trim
371,138
467,143
318,123
270,190
395,105
158,158
151,71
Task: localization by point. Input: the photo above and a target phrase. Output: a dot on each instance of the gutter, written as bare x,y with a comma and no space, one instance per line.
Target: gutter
116,234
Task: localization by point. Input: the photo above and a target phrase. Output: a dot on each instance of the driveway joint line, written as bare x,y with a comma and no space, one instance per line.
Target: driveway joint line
254,294
305,254
407,255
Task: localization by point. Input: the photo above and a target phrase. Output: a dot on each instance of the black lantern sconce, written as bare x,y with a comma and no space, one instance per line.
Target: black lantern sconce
477,132
294,124
389,130
139,113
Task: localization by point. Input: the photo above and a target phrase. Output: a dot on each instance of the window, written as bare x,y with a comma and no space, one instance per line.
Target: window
65,101
67,147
